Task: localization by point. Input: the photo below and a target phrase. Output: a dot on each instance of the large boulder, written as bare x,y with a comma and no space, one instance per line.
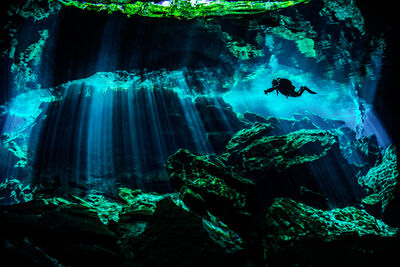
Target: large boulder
382,185
296,234
320,122
280,165
224,194
363,151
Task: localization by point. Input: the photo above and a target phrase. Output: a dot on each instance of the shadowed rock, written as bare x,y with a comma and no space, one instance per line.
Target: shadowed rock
279,165
382,184
225,194
297,234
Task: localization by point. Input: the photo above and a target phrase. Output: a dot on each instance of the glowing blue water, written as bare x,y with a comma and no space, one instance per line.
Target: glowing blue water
333,99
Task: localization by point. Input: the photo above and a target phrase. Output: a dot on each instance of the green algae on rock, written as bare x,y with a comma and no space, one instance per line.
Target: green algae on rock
290,220
207,187
382,181
212,182
281,164
135,204
253,149
176,237
181,9
313,237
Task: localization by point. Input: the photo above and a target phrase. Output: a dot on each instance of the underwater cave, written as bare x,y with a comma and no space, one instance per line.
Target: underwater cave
198,133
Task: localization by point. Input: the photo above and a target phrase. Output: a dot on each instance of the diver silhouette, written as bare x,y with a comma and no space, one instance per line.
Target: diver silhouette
286,88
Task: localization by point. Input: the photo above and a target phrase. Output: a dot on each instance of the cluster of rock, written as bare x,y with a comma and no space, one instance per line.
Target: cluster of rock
293,187
137,229
279,192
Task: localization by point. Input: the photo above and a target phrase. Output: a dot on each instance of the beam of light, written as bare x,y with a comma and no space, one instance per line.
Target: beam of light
99,143
107,126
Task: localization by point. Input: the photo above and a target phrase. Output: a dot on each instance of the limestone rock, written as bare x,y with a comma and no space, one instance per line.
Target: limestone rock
70,233
225,194
382,184
364,151
175,237
297,234
279,165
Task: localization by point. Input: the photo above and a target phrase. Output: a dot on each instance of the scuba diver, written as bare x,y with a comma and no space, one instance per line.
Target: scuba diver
285,87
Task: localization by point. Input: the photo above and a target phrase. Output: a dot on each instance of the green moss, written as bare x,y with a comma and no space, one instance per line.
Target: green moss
181,9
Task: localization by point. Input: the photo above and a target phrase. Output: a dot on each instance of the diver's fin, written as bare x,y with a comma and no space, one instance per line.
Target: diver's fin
303,88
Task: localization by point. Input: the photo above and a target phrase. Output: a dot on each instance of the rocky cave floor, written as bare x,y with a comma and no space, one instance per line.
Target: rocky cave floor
279,192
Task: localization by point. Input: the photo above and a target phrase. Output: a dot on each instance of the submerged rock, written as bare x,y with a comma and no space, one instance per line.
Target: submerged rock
219,120
288,220
137,120
253,117
297,234
382,185
217,216
381,181
145,229
306,121
280,165
14,191
320,122
223,193
363,151
176,237
311,198
68,232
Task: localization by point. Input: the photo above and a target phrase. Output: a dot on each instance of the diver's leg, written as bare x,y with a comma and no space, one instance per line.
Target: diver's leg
296,94
300,92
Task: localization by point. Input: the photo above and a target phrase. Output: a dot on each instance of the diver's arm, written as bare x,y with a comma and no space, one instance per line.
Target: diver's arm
270,90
